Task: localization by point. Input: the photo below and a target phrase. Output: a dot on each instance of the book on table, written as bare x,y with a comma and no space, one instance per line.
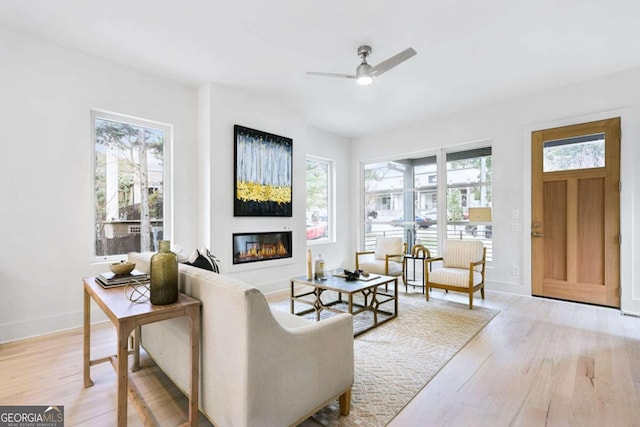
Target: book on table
110,280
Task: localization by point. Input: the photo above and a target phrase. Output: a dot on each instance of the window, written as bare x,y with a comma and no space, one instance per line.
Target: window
320,220
469,187
130,192
401,198
581,152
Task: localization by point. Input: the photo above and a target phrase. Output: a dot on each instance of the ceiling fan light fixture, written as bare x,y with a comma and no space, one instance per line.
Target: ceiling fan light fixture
365,72
364,79
363,75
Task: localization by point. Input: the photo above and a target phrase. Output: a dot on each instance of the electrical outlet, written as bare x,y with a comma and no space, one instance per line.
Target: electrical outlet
515,214
515,270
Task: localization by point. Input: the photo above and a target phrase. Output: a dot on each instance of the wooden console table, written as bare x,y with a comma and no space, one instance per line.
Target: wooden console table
129,317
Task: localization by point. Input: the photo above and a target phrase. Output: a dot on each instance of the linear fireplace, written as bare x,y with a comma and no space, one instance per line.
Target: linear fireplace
262,246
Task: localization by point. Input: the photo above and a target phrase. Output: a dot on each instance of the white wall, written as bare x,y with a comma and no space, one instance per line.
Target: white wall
46,208
222,107
338,254
228,106
509,125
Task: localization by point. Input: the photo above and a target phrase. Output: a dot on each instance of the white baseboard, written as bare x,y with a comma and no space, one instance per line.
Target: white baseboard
507,287
32,328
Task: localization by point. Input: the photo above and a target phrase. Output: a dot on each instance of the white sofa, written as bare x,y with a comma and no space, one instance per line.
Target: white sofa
259,367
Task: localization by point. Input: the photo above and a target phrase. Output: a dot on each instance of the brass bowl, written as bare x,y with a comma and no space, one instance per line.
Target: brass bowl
122,267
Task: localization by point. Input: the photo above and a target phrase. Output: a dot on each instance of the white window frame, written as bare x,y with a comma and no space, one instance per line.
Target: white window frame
331,205
167,189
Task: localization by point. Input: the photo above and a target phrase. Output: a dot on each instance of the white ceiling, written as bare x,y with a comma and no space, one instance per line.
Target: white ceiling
469,52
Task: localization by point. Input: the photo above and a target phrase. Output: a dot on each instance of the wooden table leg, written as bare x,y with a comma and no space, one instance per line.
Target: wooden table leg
124,330
194,316
87,339
136,349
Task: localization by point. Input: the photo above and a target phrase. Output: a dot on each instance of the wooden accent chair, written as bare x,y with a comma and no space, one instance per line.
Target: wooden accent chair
386,259
463,268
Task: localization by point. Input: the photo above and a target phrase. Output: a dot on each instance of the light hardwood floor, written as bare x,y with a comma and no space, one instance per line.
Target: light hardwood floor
539,362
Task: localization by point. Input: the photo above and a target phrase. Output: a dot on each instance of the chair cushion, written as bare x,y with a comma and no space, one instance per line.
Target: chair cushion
457,277
388,245
377,267
459,253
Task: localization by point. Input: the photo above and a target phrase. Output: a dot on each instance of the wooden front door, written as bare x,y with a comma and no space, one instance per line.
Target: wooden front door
575,230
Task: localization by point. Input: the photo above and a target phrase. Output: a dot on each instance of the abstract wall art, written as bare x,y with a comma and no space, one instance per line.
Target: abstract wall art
263,173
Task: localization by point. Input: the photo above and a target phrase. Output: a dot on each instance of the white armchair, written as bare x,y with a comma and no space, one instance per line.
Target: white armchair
386,259
463,268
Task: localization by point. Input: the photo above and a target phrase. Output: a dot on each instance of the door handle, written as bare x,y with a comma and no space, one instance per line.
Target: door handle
536,234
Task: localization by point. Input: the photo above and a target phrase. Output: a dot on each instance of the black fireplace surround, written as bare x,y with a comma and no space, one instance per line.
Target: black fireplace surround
261,246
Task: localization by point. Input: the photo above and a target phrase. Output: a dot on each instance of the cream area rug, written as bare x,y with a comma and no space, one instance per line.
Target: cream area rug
394,361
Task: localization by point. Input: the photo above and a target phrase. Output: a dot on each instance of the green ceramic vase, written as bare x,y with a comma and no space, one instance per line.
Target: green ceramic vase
164,275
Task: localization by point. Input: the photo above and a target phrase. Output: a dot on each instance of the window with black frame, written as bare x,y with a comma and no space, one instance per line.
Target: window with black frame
469,196
401,198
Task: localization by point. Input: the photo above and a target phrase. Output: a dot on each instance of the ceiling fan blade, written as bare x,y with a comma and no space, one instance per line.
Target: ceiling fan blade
392,62
314,73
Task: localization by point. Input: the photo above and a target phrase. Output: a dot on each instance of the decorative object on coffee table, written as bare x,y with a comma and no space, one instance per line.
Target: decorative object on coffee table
309,265
352,275
164,275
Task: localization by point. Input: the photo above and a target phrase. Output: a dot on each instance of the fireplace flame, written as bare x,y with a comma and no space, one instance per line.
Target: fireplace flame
264,250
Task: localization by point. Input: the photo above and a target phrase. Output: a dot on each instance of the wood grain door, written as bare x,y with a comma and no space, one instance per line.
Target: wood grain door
575,230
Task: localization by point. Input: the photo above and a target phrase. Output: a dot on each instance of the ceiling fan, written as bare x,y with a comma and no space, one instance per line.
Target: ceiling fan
365,72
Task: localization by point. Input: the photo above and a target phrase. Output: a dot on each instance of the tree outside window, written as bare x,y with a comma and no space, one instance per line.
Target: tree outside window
129,185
